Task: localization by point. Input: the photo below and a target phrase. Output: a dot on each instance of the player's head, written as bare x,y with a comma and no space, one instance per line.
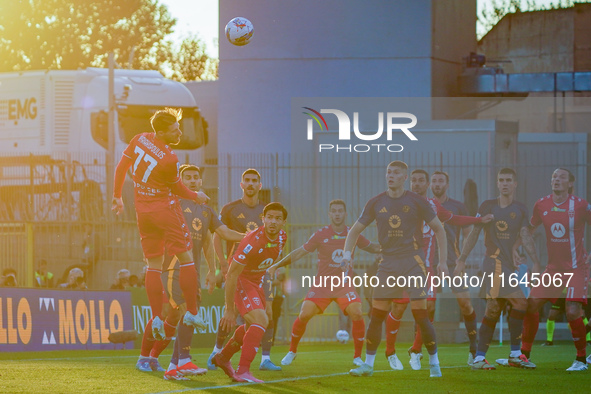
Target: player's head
165,123
251,182
507,181
439,183
191,176
274,217
396,174
562,181
337,212
419,181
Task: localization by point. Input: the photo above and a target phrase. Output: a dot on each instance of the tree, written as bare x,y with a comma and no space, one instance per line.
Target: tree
493,12
72,34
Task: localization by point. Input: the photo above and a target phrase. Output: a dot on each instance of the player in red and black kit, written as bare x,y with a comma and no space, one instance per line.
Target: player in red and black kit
244,292
564,217
329,241
245,215
419,182
155,173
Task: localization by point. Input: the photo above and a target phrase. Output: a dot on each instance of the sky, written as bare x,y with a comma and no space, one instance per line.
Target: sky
201,17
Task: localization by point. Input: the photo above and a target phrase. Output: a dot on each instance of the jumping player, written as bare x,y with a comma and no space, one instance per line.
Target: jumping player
156,179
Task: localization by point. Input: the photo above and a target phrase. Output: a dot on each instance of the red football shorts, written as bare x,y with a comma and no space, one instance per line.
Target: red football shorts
164,229
322,298
551,289
249,296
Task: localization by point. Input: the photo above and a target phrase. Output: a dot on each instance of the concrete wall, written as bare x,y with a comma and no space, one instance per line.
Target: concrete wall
332,48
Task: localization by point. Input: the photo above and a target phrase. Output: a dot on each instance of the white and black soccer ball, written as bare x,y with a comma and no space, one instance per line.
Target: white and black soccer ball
342,336
239,31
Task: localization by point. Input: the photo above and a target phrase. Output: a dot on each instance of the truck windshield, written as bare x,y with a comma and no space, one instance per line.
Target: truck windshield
135,119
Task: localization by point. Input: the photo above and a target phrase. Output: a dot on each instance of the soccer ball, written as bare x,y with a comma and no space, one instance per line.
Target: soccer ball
239,31
342,336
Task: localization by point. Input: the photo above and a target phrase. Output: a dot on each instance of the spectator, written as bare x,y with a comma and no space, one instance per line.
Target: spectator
43,278
90,249
133,281
8,278
75,280
121,281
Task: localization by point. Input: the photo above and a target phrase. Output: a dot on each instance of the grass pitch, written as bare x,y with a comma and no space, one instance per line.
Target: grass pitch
319,368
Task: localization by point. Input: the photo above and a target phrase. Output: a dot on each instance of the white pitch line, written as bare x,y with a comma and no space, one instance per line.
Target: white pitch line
283,380
111,357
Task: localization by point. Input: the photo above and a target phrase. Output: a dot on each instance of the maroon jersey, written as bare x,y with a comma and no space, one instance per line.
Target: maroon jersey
565,230
155,168
330,246
257,253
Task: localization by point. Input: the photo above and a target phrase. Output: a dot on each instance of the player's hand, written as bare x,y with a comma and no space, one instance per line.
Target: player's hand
117,205
460,267
487,218
228,321
271,270
210,281
202,198
518,259
346,261
443,269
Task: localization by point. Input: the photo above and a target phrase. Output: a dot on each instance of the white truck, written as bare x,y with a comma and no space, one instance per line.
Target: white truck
54,134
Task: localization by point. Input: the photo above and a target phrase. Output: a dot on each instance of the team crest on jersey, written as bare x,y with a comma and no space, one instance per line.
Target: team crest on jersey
256,300
405,208
247,249
512,215
558,230
251,226
502,225
394,221
197,224
205,213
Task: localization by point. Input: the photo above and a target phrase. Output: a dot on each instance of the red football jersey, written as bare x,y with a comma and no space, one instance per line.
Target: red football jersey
330,249
257,253
429,240
565,230
155,167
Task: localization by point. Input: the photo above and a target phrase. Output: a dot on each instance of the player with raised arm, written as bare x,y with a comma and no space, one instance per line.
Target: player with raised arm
202,221
419,181
563,216
245,294
155,173
511,220
244,215
399,215
329,241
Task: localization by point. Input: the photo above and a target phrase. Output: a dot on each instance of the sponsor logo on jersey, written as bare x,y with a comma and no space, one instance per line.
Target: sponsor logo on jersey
197,224
188,210
266,263
326,240
394,221
270,245
556,209
339,237
247,249
383,210
241,216
241,257
502,225
337,256
558,230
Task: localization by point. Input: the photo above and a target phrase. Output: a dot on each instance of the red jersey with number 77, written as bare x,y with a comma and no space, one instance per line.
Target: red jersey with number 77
155,168
565,230
256,252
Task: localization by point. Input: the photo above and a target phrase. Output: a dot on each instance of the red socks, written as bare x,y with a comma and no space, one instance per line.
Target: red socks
579,336
189,286
235,343
531,322
297,332
147,340
250,347
358,332
155,291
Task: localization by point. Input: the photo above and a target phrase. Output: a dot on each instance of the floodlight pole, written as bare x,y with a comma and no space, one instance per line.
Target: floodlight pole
111,130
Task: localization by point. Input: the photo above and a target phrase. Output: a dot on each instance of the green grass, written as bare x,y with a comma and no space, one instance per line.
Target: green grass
318,368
